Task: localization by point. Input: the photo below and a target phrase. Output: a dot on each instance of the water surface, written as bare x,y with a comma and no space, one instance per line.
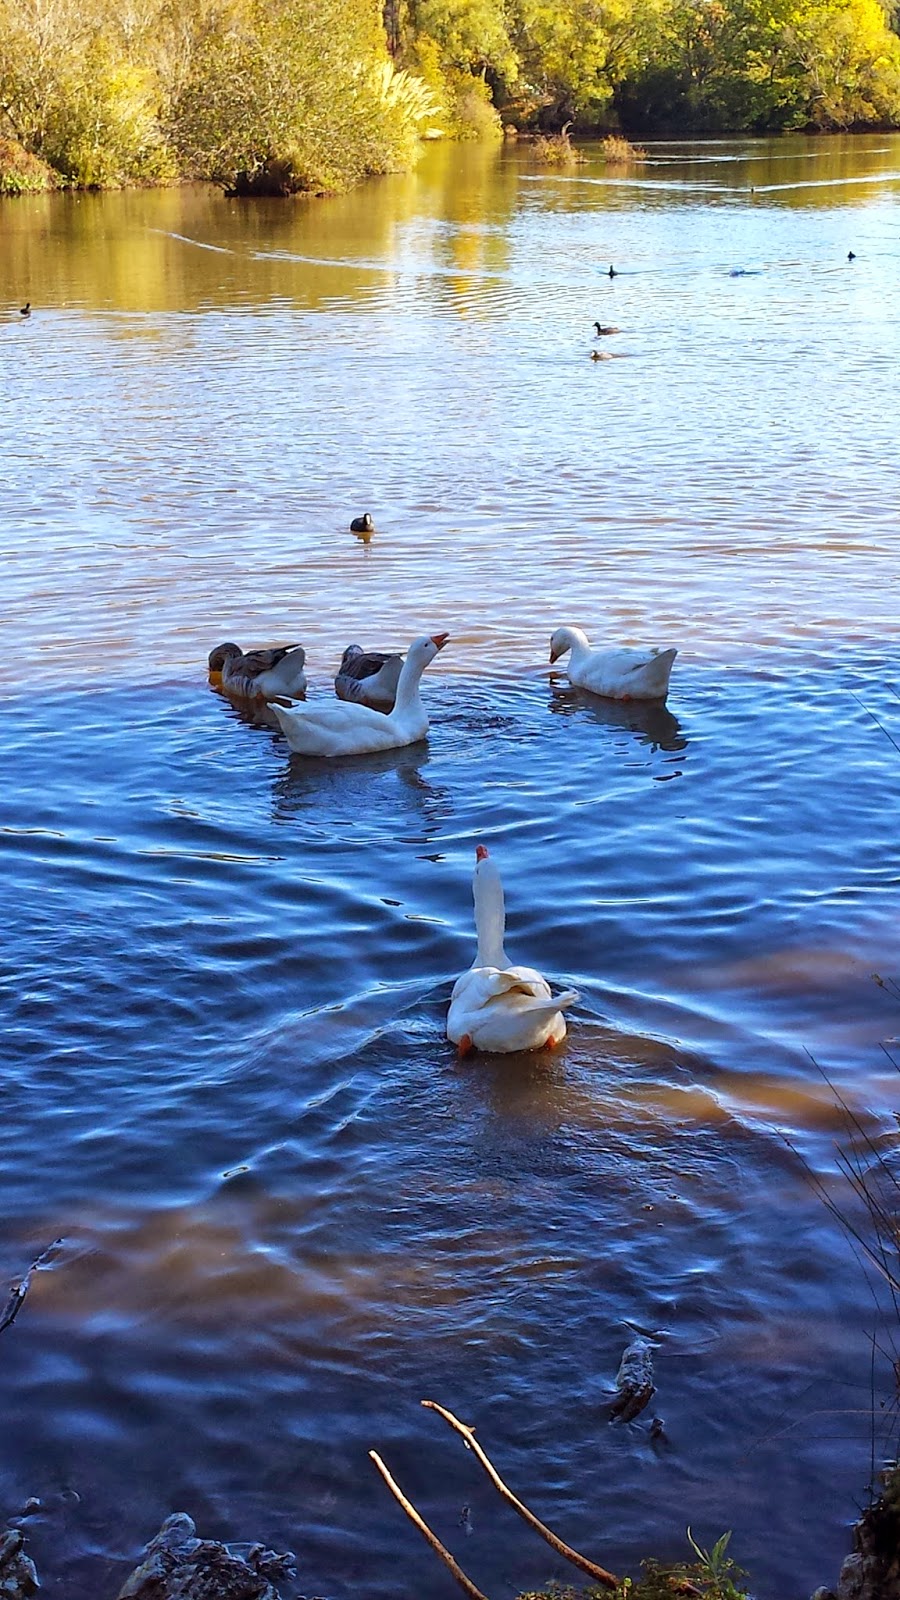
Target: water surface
288,1213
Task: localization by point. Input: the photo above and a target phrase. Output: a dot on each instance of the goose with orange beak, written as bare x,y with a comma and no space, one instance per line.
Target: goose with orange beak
495,1006
343,728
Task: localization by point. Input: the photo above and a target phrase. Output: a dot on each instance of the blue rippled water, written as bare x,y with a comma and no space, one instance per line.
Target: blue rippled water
288,1213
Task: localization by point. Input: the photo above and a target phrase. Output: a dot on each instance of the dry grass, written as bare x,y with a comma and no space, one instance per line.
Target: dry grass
556,150
619,152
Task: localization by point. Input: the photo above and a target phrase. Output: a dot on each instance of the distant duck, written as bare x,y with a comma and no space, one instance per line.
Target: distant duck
619,674
259,674
368,677
495,1006
362,524
338,729
601,330
25,310
851,255
601,355
612,273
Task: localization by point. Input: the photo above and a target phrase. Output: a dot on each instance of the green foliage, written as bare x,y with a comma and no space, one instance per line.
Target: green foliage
302,88
23,173
713,1575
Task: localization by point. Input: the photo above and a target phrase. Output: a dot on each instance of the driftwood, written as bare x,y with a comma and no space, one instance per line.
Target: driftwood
468,1434
19,1290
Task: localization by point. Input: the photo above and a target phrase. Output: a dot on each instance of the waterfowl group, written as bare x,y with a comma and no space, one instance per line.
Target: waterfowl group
346,728
496,1006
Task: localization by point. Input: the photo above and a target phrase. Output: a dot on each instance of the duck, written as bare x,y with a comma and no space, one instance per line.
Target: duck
601,330
362,524
851,255
348,729
601,355
619,674
368,677
496,1006
25,310
259,674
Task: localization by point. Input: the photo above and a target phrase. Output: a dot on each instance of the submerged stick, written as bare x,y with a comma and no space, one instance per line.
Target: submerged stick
555,1543
19,1290
430,1538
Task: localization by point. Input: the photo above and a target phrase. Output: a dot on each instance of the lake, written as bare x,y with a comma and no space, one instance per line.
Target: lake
288,1212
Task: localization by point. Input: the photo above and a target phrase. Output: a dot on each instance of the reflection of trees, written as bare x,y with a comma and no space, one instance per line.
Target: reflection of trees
651,723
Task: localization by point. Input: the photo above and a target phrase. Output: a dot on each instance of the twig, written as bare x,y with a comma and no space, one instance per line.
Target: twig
430,1538
876,721
19,1290
555,1543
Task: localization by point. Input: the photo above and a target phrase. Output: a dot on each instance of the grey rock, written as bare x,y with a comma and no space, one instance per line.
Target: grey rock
179,1566
18,1578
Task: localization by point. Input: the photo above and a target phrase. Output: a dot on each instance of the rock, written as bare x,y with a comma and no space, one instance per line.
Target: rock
18,1578
851,1582
634,1381
179,1566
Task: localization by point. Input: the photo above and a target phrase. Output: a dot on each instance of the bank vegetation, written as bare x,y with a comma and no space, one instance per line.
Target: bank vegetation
278,96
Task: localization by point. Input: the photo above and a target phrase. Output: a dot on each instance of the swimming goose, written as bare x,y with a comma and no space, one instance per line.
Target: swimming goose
347,729
362,524
495,1006
621,674
25,310
368,677
259,674
612,273
602,330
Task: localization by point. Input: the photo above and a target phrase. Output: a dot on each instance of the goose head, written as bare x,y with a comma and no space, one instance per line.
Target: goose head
422,651
222,654
560,642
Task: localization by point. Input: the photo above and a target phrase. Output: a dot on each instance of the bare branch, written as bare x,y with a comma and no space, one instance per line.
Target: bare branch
564,1550
430,1538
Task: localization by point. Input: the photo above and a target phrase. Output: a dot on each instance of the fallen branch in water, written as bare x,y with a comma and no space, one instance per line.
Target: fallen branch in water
430,1538
19,1290
555,1543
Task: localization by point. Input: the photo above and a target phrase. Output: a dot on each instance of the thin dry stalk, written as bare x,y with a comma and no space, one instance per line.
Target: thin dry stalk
429,1537
555,1543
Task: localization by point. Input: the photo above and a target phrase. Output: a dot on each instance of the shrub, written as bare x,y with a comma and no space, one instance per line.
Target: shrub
23,173
556,150
618,152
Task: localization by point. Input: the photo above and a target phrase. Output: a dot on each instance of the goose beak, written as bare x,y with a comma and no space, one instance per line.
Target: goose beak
481,853
439,639
554,655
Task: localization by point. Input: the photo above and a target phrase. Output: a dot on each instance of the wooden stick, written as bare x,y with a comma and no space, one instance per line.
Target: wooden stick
431,1538
565,1550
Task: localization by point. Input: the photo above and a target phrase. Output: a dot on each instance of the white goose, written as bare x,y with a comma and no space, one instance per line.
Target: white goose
259,674
368,677
621,674
496,1006
341,728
